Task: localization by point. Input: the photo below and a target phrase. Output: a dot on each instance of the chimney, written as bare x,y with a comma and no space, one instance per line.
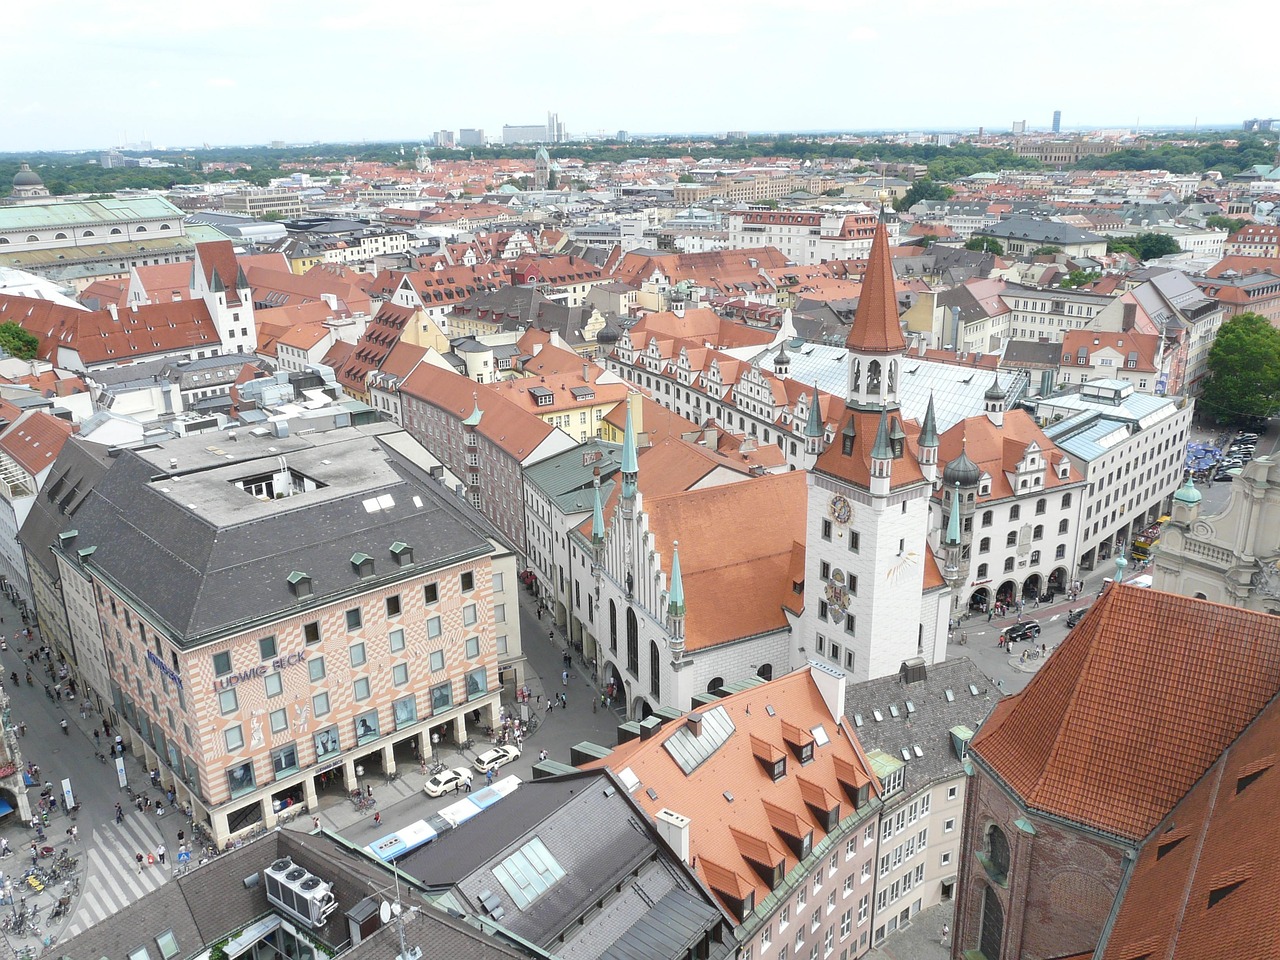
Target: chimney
694,723
1130,315
115,314
586,372
674,830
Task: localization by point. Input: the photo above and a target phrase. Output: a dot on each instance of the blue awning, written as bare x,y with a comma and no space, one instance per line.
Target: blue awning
5,807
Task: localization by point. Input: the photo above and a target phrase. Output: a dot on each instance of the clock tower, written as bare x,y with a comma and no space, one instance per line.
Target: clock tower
874,595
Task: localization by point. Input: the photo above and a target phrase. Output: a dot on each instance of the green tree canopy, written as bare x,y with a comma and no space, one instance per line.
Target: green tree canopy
1049,251
1145,246
17,341
1078,278
1244,369
925,189
1230,224
984,244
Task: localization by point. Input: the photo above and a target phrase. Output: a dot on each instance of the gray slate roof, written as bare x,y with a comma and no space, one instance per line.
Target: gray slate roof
206,558
210,902
79,466
598,837
1038,231
928,725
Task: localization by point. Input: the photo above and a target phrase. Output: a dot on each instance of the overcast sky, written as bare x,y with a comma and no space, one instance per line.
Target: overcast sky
89,74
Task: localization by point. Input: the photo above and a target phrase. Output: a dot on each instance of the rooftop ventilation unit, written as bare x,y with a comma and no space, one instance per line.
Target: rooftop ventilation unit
298,893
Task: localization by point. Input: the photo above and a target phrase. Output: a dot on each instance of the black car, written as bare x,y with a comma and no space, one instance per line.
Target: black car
1074,617
1027,630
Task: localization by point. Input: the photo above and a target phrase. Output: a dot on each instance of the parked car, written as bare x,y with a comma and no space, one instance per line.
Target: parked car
1075,616
1247,436
447,781
492,759
1232,463
1026,630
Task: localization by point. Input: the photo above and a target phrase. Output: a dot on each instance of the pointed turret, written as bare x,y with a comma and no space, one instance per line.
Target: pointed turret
675,603
881,458
815,431
782,362
951,572
875,327
881,449
993,402
953,520
630,462
928,444
597,517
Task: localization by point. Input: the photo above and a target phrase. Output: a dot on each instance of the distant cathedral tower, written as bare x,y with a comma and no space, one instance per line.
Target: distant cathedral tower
541,169
27,185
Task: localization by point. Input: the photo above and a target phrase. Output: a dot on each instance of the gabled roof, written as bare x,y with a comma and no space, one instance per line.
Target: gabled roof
736,810
997,450
35,439
503,423
1136,704
856,467
217,259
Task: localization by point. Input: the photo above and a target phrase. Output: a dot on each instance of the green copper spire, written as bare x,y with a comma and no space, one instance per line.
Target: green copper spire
813,426
953,522
597,518
881,450
630,465
675,598
929,430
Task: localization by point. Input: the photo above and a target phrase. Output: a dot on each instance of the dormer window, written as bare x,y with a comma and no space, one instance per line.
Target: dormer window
299,584
362,563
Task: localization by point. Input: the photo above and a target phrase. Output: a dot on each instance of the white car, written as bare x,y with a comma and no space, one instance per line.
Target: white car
447,781
492,759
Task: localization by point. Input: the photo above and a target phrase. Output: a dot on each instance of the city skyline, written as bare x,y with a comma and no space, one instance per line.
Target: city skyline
183,80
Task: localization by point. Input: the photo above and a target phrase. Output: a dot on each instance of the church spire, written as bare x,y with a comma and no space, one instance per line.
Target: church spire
875,328
675,603
929,429
597,517
813,426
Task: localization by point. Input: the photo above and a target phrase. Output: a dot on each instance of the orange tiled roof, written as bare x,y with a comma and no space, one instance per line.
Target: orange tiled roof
506,425
734,586
726,834
35,439
1180,901
517,390
702,326
997,450
654,421
1138,702
856,468
167,281
382,333
219,256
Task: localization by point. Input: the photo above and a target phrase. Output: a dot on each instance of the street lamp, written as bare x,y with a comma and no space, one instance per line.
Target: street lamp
359,774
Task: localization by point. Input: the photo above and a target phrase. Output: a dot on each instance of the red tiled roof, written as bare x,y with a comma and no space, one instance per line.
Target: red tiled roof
736,811
219,256
35,439
856,467
875,327
1179,901
1136,704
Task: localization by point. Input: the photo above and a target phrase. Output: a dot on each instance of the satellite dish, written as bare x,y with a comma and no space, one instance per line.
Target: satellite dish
384,912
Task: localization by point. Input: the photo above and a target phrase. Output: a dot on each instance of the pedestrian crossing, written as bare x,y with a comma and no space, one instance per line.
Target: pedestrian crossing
112,880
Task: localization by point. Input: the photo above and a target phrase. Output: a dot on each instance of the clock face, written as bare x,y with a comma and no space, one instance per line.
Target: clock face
841,510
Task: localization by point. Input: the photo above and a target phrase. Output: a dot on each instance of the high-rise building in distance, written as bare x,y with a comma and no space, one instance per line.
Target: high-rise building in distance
1057,121
471,137
555,128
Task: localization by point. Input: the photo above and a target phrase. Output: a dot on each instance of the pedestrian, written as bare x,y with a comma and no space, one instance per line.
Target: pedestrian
539,611
138,857
593,704
946,932
377,818
4,847
990,614
548,704
119,814
467,784
564,678
488,777
160,851
96,738
564,700
63,724
182,835
542,755
315,824
369,790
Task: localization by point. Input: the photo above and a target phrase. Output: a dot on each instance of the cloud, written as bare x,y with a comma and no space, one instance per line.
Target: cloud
220,83
863,34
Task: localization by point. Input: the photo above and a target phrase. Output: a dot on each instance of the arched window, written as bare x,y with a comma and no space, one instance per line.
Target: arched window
87,233
114,231
855,375
613,628
1012,539
633,643
765,672
1041,505
4,239
655,664
140,229
1038,532
873,377
986,518
982,571
715,684
59,236
33,239
997,853
992,932
164,226
984,545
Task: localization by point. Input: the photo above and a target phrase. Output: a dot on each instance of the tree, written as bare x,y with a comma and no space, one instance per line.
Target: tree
1244,369
984,245
553,182
1230,224
1049,251
17,341
1078,278
928,240
687,178
925,189
1145,246
273,216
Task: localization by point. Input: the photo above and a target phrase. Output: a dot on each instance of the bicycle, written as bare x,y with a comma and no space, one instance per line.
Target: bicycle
437,767
467,744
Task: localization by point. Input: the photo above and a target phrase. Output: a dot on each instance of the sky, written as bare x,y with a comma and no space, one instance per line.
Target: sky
88,75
